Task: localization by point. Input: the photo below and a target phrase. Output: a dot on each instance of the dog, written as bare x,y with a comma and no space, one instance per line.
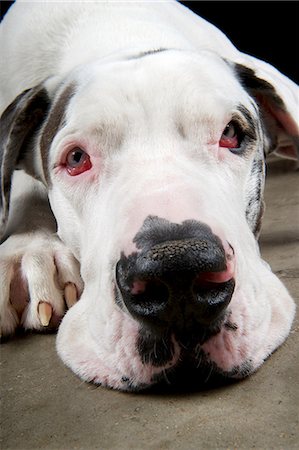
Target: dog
133,143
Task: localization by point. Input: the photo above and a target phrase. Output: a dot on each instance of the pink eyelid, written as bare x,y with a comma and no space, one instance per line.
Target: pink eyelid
229,142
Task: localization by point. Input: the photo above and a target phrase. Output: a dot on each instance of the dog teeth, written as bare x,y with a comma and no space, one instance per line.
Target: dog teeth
44,313
70,294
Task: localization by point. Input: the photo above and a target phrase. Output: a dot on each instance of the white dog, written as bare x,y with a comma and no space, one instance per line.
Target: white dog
145,130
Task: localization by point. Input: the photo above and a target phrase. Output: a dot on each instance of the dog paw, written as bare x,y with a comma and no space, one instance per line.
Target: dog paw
39,280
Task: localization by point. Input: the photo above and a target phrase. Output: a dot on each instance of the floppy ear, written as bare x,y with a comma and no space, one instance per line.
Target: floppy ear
278,99
18,126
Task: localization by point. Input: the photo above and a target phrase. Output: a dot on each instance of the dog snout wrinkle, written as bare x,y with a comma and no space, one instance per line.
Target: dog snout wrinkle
167,284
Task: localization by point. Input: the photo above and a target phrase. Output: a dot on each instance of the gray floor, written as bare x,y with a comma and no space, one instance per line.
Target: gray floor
44,406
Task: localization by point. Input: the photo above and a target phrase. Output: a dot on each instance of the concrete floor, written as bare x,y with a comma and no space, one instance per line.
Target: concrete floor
44,406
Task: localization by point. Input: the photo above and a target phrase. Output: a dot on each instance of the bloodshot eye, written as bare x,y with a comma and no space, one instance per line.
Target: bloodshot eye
77,161
232,136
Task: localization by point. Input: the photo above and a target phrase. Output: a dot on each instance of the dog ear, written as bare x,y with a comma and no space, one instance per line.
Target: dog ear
278,100
19,124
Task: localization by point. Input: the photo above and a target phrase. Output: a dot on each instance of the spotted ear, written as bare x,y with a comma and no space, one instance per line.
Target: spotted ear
278,100
19,124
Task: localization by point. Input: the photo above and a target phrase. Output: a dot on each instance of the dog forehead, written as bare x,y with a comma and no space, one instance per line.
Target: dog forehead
199,83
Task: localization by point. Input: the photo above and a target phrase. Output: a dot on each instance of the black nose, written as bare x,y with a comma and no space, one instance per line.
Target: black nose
176,277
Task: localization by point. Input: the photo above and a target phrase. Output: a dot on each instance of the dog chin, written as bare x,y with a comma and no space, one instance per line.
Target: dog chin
110,348
122,354
107,353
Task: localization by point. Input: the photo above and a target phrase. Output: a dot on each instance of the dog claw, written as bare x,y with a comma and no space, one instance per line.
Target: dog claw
70,295
44,313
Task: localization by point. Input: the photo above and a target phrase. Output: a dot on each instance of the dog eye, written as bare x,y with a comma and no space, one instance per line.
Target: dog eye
77,161
232,136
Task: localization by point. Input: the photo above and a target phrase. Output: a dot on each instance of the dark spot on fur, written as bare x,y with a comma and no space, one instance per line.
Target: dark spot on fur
231,326
193,376
148,53
255,204
19,125
257,86
155,350
241,371
53,124
250,124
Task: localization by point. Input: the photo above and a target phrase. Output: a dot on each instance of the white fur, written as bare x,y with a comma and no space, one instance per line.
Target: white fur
151,127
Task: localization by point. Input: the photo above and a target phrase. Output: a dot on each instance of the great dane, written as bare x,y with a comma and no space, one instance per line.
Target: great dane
139,133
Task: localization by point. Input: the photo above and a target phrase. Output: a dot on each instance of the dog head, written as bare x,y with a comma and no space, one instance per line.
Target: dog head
154,165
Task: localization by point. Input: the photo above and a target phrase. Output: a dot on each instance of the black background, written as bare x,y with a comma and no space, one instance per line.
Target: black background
266,29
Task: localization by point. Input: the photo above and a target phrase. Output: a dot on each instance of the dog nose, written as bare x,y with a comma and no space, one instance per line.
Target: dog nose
177,281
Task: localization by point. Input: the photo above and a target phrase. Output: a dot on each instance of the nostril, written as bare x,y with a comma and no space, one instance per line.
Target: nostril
147,298
138,287
143,297
211,298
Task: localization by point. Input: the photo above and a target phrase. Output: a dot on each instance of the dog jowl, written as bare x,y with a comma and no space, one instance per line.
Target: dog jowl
139,193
